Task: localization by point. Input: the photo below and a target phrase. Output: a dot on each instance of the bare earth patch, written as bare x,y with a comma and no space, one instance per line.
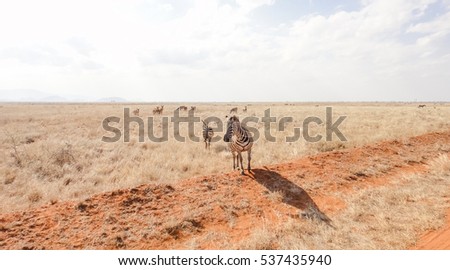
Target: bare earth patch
300,200
438,239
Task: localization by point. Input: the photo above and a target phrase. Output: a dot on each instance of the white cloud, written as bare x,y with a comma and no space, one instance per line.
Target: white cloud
81,46
209,46
174,57
35,56
165,7
91,65
247,6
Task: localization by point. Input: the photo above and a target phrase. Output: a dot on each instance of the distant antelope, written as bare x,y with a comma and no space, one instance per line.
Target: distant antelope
234,110
158,110
208,133
192,109
136,112
421,105
182,108
245,109
239,140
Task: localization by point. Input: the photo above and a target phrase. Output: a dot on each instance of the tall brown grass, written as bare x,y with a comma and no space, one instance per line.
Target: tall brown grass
54,152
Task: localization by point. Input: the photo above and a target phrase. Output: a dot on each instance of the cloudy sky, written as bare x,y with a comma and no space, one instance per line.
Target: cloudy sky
228,50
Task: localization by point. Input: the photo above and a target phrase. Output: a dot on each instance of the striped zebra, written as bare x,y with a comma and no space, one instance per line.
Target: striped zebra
208,133
239,140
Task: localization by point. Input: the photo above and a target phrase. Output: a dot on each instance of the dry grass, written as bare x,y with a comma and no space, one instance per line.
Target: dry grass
385,217
54,152
275,196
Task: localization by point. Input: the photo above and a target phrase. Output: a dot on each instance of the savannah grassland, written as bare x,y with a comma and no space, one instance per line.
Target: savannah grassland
54,152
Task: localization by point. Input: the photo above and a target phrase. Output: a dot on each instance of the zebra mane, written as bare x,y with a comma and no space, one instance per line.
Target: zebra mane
233,118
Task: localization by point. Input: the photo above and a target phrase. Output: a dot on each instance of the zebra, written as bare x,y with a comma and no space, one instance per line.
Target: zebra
234,110
208,133
136,112
239,140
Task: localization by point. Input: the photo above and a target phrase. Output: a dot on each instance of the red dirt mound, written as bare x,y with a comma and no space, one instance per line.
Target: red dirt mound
212,212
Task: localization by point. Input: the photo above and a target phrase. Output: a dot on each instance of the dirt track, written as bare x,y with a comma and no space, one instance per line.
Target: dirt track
229,206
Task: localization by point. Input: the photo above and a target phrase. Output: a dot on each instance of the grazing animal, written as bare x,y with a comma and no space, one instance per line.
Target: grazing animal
421,105
234,110
245,109
182,108
158,110
239,140
136,112
208,133
193,108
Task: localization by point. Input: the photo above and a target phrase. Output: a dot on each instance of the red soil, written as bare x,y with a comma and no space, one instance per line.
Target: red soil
213,212
436,240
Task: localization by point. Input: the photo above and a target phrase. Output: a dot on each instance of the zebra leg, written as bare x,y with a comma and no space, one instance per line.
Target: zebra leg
234,164
238,154
249,156
240,160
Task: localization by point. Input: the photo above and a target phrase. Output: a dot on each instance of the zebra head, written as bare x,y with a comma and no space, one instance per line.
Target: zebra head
229,133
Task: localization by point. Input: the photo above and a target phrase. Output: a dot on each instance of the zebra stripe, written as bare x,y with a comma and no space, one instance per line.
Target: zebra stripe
239,140
208,133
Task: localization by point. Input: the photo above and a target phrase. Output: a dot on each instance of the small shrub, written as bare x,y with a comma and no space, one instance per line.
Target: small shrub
14,146
325,146
29,140
34,196
64,155
10,177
